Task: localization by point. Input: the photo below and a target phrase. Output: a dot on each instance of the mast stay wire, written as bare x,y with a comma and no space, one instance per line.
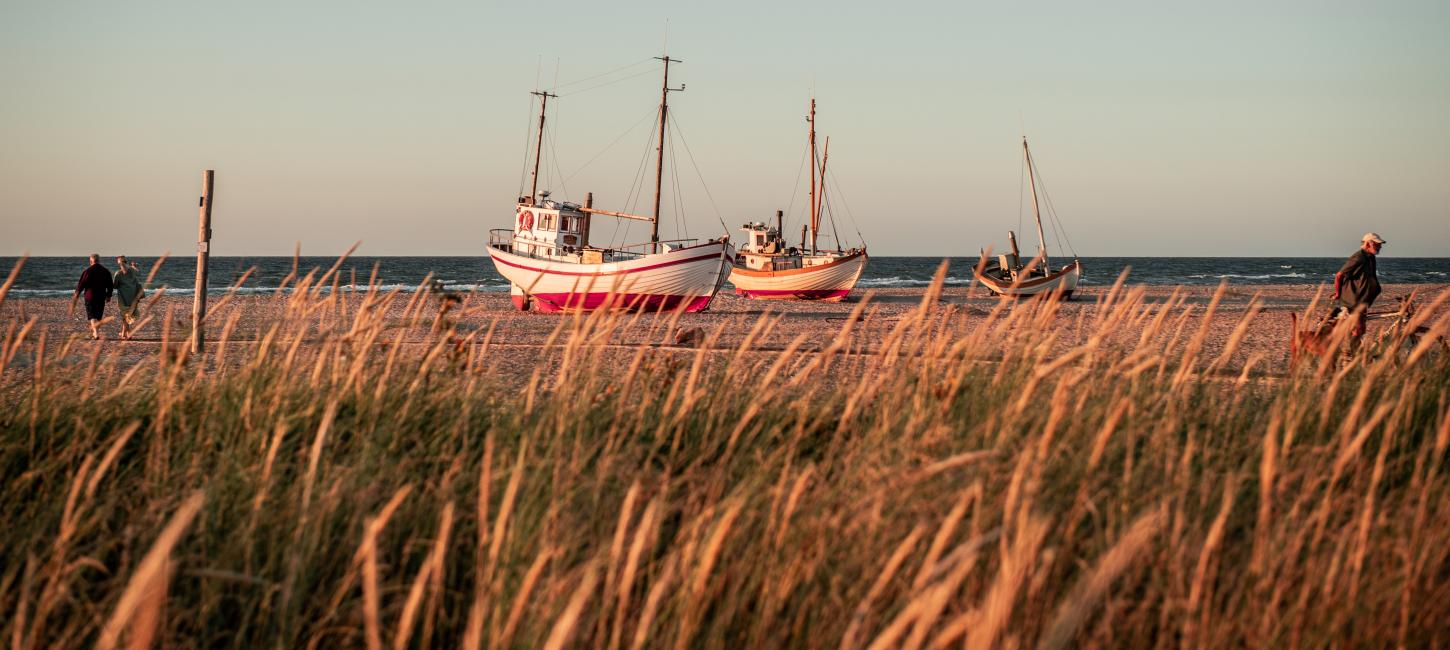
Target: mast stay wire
836,183
611,145
602,74
1021,190
609,83
681,136
826,204
678,199
1057,229
528,138
795,188
554,158
635,188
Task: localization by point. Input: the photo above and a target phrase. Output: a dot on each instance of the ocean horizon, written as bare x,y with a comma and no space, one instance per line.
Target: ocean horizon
55,276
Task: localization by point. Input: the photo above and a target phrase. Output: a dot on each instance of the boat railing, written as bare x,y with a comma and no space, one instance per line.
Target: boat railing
505,240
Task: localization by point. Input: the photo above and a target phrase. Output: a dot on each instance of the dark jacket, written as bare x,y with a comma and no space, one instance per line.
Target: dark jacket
1361,283
95,283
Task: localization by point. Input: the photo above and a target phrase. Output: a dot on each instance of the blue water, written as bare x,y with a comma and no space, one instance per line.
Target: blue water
56,276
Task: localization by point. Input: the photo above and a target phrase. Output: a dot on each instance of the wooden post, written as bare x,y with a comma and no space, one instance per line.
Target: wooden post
584,226
203,246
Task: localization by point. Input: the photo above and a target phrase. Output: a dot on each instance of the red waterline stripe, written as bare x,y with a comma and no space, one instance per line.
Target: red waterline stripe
804,294
554,302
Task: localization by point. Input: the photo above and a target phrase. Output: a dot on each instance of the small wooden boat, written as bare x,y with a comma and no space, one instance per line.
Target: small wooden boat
768,268
1009,276
553,266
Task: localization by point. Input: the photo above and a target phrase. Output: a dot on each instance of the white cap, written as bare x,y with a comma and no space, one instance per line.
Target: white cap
1369,236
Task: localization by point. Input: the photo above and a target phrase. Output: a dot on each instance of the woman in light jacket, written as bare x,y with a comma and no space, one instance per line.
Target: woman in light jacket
128,293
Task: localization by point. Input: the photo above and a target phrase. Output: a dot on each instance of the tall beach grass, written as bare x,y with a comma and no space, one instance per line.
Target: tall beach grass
322,482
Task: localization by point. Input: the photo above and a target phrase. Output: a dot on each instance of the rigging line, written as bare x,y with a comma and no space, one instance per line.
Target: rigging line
636,190
554,158
796,186
826,198
836,183
1059,229
604,74
553,166
831,214
636,186
609,83
528,138
826,206
538,71
713,205
611,145
1021,187
678,200
1043,207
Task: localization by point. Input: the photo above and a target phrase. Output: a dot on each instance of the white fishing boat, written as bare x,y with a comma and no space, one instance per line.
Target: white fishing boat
552,264
1010,276
768,268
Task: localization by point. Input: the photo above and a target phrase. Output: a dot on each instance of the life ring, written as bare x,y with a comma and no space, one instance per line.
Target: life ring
526,220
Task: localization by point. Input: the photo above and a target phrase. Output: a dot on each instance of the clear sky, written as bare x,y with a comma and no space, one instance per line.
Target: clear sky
1161,128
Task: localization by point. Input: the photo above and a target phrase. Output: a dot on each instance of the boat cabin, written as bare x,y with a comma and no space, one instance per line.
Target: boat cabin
550,229
762,240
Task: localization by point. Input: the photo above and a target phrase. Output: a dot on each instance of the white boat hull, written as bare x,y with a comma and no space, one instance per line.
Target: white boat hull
684,278
1060,284
829,282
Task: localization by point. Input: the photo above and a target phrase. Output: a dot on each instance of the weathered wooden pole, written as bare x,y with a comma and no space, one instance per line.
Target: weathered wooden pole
584,227
203,246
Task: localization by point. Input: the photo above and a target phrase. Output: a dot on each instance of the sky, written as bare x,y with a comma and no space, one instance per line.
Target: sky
1159,128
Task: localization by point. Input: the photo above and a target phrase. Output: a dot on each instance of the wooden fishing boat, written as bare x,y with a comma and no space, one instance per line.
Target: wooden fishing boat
768,268
552,265
1010,276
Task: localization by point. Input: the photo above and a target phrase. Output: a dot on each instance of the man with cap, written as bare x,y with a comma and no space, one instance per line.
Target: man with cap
1357,283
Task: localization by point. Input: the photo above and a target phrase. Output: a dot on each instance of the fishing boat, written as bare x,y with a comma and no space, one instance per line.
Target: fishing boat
1010,276
553,266
768,268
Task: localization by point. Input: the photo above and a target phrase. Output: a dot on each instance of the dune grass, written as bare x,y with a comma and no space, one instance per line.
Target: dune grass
326,485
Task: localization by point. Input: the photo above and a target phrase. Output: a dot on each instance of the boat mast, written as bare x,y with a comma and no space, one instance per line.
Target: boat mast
815,210
821,198
654,236
1036,211
539,144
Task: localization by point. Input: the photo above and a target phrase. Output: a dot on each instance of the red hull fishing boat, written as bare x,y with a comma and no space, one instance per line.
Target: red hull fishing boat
1009,276
767,268
552,265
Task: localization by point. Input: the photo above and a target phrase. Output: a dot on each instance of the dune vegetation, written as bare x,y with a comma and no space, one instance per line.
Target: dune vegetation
316,483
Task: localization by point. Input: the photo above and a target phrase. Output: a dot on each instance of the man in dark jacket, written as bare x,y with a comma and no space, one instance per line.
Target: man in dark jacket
1357,283
95,286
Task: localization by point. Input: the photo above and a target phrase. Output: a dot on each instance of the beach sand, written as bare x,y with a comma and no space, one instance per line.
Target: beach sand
515,340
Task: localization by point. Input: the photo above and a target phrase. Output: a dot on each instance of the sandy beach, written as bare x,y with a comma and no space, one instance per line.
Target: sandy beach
514,340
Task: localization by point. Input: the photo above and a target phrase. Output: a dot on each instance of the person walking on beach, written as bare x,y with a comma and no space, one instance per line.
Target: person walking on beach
1357,284
95,286
128,293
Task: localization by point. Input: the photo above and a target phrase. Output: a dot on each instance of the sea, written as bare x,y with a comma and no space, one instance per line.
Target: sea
56,276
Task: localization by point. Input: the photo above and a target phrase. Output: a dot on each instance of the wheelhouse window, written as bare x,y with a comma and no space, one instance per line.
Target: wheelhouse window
569,224
546,222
